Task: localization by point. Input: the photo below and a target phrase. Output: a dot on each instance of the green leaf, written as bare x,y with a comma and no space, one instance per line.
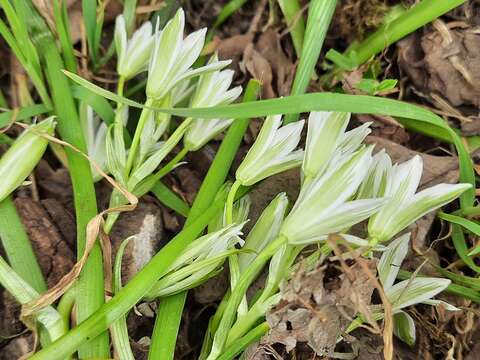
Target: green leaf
459,240
320,13
404,328
23,113
360,104
97,102
170,199
119,330
89,11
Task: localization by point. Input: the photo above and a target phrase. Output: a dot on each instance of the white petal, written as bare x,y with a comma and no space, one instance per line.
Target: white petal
413,291
392,259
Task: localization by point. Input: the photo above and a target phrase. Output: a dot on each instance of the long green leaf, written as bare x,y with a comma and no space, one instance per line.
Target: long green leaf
23,113
89,11
318,102
98,103
320,14
18,248
168,198
90,287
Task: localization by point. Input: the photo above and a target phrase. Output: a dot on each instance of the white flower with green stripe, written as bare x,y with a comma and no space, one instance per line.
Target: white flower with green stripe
405,206
173,56
133,54
324,205
273,151
212,90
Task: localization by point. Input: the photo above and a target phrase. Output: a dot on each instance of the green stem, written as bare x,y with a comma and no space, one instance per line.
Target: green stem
65,307
238,293
230,201
131,293
171,308
320,15
138,133
242,343
18,248
171,164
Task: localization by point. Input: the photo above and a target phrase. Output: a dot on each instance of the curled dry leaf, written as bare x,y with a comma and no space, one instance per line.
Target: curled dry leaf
317,312
444,61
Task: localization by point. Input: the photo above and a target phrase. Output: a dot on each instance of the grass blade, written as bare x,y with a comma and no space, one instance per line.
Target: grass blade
90,287
360,104
293,16
23,113
18,248
319,17
168,198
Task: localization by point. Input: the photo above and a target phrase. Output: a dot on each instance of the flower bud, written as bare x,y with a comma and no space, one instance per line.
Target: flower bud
133,54
212,90
199,261
22,157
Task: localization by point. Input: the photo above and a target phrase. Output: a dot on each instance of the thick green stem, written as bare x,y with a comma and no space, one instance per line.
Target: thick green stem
171,308
242,343
238,293
230,201
18,248
320,15
131,293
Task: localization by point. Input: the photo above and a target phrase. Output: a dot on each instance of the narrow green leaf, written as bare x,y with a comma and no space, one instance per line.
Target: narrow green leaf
227,11
89,11
320,13
101,106
296,24
23,113
319,102
170,199
18,248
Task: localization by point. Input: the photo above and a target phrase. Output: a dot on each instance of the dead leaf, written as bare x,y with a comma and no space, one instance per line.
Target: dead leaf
260,69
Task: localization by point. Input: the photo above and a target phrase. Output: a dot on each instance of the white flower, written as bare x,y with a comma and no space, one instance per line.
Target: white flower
272,152
408,292
323,206
265,230
95,133
404,205
375,183
133,55
173,56
326,131
241,209
212,90
199,261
